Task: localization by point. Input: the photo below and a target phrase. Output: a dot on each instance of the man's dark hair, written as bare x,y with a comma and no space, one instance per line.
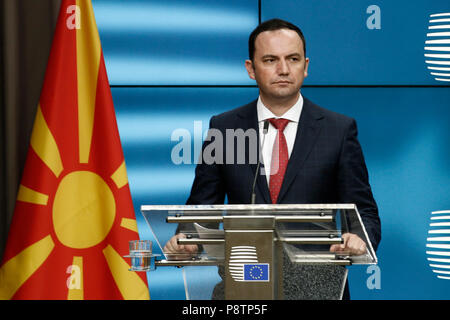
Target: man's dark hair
272,25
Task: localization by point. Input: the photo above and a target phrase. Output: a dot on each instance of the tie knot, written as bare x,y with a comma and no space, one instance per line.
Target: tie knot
279,124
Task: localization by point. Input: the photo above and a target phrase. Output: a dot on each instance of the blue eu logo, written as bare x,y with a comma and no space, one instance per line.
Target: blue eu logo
256,272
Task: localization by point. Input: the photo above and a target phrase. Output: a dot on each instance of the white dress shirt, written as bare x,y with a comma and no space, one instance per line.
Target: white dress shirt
290,132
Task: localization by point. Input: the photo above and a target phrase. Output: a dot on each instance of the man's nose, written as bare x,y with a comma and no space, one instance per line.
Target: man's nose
283,67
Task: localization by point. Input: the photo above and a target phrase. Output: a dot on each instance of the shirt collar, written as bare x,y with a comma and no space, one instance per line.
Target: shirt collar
293,114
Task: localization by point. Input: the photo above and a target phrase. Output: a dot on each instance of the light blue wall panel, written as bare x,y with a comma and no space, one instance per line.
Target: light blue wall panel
147,118
344,51
176,42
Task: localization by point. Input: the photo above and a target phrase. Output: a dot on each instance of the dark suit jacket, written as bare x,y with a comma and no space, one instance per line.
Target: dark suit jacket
326,166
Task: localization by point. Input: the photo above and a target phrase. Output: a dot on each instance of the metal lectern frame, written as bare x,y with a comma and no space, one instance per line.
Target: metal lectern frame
249,240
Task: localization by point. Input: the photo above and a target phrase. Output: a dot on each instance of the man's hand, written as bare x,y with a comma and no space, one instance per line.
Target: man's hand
175,251
353,244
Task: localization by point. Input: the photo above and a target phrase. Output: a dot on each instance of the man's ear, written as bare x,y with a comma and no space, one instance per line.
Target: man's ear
306,67
250,69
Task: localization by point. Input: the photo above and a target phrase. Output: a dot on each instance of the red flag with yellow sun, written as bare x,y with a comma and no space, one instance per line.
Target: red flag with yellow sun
74,215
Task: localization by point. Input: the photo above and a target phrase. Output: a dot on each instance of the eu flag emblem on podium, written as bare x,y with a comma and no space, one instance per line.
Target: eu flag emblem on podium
256,272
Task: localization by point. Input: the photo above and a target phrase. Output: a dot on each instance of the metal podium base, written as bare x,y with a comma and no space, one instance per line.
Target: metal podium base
266,252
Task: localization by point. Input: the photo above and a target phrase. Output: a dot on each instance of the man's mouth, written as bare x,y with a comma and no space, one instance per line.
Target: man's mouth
282,82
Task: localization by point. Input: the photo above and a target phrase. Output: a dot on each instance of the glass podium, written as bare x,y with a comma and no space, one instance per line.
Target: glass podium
250,243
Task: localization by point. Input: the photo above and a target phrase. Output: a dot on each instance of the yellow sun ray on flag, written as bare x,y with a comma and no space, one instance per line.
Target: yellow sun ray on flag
129,224
88,61
18,269
26,194
44,144
75,285
120,176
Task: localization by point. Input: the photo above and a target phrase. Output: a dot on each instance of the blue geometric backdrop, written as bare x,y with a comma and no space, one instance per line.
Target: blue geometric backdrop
175,62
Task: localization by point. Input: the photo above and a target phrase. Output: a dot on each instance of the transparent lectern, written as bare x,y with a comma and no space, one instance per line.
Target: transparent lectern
252,244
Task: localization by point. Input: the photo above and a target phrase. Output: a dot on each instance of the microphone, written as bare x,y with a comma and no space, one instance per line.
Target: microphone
265,129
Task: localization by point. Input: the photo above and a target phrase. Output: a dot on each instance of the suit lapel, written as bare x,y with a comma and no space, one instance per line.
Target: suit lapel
249,117
307,132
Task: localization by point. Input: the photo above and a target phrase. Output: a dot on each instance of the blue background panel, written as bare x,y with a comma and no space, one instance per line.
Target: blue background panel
147,118
176,42
403,130
405,139
343,51
404,134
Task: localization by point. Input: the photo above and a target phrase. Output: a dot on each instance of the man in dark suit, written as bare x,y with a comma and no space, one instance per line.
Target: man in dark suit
309,154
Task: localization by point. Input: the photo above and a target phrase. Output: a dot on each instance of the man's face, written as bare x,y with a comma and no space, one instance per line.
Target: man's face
279,65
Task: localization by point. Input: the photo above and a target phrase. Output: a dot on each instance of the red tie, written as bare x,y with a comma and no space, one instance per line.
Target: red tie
280,158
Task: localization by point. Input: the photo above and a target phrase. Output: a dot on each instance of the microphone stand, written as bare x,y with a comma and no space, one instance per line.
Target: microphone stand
265,129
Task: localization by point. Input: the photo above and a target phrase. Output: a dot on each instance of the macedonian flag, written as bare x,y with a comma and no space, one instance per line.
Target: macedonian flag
74,215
